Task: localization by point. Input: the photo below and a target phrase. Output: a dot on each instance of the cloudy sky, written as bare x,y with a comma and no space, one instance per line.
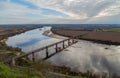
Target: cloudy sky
59,11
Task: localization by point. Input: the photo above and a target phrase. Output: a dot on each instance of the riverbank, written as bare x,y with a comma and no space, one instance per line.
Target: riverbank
49,33
6,32
7,52
110,38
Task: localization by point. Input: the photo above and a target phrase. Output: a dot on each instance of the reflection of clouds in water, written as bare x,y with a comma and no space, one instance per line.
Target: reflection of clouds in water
82,56
40,44
27,38
30,42
34,32
90,56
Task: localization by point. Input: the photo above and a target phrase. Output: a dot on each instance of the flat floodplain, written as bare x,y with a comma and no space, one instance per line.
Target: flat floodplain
98,36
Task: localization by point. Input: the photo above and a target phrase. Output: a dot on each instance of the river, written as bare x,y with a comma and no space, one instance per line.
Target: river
31,40
82,56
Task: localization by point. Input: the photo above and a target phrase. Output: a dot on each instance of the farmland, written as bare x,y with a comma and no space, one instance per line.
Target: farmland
115,30
108,36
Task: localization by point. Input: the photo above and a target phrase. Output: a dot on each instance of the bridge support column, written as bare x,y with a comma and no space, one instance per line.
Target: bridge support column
13,62
46,52
69,42
63,45
73,41
33,57
56,48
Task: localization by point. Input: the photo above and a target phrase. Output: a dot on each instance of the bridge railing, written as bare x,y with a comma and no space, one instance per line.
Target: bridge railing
57,49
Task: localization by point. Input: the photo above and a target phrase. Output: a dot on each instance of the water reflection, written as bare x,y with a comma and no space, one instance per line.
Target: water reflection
82,56
31,40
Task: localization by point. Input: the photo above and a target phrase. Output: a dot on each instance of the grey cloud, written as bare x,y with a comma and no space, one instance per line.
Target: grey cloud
77,11
78,8
106,19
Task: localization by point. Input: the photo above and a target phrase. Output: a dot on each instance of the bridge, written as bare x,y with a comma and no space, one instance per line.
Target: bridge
59,46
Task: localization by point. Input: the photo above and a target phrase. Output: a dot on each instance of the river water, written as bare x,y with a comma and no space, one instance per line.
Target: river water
31,40
82,56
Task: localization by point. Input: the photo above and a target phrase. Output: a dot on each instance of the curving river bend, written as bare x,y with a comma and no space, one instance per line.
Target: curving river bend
82,56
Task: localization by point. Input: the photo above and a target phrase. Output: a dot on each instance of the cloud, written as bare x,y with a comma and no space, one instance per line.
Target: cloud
16,13
9,9
58,11
80,8
115,19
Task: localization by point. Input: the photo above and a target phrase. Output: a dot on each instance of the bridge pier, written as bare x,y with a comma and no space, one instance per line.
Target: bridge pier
73,41
47,52
13,62
68,42
56,47
63,44
33,57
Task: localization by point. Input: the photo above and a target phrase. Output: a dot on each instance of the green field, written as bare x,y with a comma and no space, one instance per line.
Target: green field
7,72
115,30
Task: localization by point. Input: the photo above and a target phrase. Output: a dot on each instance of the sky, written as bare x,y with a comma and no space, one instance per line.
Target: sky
59,11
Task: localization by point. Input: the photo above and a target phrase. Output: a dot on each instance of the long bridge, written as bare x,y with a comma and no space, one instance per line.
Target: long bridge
65,43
